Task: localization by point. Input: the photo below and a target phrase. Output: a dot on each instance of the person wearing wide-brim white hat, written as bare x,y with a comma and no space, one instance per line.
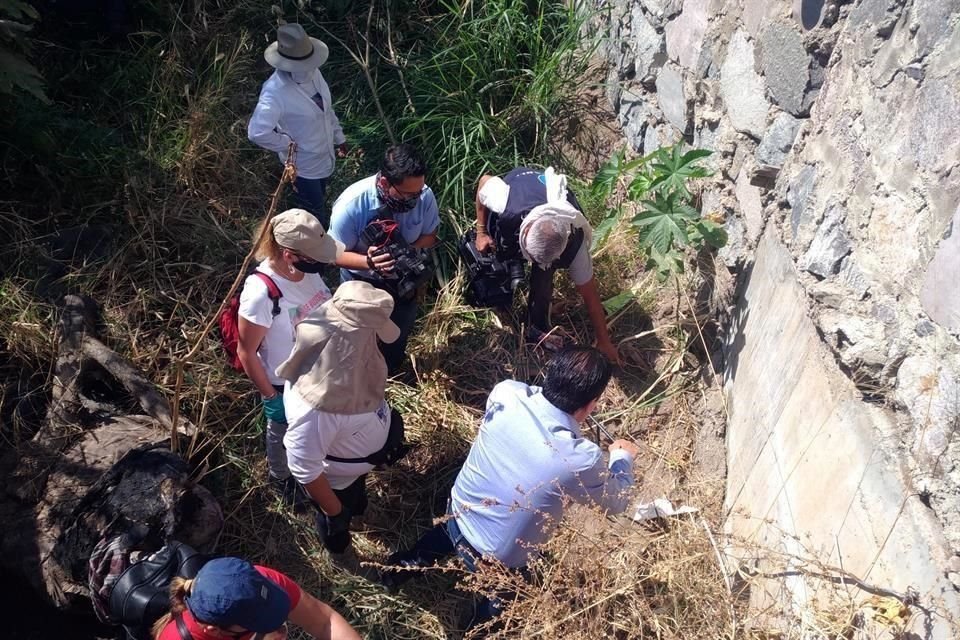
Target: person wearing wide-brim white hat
295,106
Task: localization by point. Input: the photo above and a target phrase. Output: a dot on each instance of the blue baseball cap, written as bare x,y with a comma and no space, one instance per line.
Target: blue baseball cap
230,591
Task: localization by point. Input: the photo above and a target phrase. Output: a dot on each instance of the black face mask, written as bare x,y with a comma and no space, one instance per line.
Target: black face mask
309,267
397,205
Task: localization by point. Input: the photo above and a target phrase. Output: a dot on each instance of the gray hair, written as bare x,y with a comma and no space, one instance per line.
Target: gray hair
546,239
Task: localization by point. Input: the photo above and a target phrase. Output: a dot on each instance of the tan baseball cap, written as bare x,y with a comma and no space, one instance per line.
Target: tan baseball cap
300,231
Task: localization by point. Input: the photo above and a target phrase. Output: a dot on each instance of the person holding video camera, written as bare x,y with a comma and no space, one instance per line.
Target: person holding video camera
387,221
530,214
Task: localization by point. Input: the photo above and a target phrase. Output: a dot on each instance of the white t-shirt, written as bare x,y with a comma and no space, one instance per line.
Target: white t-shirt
298,300
312,435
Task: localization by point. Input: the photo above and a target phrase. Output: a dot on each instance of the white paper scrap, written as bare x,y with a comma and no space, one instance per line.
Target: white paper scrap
659,508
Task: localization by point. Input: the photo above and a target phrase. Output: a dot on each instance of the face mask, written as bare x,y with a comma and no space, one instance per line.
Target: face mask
309,267
397,205
301,76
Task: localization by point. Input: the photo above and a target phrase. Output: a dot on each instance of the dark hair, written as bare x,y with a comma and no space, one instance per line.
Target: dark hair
575,377
400,161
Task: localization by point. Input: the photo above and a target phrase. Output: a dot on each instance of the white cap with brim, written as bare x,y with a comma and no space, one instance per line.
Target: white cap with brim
294,50
361,305
300,231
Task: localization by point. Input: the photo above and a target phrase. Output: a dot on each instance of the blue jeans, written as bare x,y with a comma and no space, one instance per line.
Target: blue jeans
311,194
439,542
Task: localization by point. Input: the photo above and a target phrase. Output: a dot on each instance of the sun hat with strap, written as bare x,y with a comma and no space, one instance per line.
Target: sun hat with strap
294,50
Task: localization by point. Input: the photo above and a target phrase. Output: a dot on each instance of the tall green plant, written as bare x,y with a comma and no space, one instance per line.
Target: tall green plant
659,185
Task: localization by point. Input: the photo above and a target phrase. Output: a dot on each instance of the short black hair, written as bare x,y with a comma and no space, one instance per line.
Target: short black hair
575,377
400,161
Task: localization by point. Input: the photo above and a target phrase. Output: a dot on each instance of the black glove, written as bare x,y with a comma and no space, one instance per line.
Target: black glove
334,531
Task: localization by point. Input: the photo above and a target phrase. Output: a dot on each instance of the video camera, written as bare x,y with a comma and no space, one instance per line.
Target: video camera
413,267
492,281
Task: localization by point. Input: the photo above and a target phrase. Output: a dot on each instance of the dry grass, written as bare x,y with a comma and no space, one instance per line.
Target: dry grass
174,237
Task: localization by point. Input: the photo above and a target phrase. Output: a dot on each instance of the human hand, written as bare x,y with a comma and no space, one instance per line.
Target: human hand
608,349
343,150
379,260
273,408
485,243
625,445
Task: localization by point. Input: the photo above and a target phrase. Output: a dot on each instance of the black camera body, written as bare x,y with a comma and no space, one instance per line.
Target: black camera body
412,267
492,280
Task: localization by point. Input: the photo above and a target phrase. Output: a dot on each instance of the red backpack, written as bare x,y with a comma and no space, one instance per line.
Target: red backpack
230,319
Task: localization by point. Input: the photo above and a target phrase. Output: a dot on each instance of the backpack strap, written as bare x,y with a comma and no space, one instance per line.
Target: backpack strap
182,628
273,291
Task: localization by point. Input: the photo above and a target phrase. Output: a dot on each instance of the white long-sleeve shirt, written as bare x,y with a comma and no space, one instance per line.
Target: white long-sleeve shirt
290,111
528,458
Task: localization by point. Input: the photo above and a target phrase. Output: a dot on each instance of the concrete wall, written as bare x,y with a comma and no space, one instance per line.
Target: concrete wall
836,131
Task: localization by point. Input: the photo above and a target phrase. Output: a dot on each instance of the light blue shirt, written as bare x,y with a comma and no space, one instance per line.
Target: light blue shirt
358,205
529,456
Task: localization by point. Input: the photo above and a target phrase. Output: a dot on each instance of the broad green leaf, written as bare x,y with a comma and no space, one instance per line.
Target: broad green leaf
605,182
662,225
665,264
713,233
602,230
639,186
618,302
674,169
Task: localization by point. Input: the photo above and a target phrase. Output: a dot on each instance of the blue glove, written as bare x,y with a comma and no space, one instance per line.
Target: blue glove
273,408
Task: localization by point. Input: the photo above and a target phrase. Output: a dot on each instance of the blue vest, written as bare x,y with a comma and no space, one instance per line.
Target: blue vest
528,189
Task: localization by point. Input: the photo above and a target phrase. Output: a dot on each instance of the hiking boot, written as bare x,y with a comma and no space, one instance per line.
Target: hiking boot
391,578
292,494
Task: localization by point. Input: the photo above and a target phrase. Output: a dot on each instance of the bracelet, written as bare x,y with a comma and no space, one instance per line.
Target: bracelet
275,394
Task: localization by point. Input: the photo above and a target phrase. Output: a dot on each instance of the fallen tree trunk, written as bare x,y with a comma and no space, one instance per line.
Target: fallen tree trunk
90,472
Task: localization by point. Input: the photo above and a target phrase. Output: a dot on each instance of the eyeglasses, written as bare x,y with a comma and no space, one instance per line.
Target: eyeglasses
302,257
408,195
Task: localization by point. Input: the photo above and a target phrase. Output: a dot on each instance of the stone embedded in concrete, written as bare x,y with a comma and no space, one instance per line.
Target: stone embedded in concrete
928,387
649,46
785,65
685,33
742,87
798,196
933,131
830,244
756,13
940,292
859,339
672,99
853,278
659,135
777,141
751,206
661,10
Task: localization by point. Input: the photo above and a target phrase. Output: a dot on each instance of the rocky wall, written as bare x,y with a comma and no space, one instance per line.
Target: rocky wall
836,128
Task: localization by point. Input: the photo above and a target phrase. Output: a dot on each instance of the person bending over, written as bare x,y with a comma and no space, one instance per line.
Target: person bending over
528,459
338,417
233,599
531,213
397,193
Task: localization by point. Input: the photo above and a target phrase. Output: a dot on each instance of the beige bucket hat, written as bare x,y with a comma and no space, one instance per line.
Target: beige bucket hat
299,230
336,365
294,50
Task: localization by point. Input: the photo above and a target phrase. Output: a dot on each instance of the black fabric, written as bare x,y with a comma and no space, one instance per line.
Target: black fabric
528,189
142,592
182,629
334,531
392,450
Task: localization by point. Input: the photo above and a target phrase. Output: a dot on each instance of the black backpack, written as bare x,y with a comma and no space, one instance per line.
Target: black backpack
141,595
